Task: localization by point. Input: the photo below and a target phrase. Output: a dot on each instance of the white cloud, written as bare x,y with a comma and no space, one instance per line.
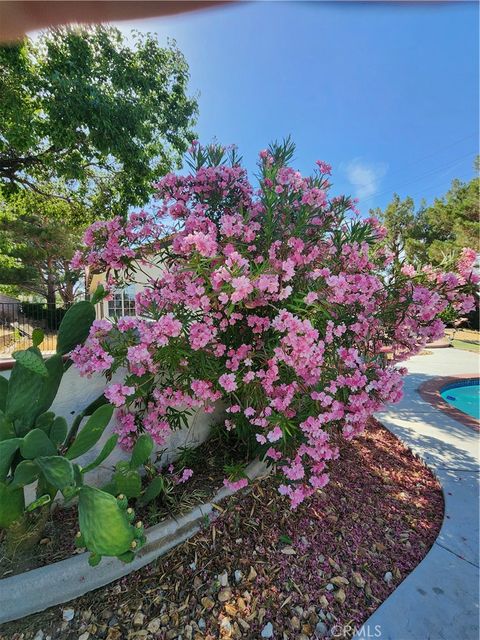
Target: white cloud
365,177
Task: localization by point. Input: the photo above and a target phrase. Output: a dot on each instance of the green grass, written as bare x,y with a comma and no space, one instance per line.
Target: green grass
466,346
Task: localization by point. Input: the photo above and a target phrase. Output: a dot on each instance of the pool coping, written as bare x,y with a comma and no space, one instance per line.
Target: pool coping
430,391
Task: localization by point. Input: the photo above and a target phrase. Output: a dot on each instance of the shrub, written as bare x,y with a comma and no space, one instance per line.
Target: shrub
279,301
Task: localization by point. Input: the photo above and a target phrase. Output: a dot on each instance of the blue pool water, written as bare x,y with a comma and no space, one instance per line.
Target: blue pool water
464,396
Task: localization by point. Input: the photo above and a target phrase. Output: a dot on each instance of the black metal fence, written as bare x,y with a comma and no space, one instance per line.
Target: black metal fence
19,319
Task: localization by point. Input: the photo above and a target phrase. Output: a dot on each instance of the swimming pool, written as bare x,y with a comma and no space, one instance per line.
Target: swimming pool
464,396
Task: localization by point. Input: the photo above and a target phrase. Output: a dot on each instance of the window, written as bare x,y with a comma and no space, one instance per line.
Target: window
122,303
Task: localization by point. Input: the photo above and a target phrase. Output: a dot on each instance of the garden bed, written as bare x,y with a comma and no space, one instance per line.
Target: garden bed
262,569
206,461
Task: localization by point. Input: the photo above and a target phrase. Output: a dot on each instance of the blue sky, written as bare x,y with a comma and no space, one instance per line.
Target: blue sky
386,93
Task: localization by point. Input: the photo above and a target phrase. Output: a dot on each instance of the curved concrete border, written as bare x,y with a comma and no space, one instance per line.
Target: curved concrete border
36,590
439,599
430,391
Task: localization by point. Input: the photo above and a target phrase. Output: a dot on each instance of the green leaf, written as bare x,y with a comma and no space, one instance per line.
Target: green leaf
99,294
58,431
75,326
30,395
141,451
93,406
31,361
8,448
36,443
12,504
25,473
37,336
39,502
45,421
155,488
108,447
127,480
6,427
91,432
57,471
3,392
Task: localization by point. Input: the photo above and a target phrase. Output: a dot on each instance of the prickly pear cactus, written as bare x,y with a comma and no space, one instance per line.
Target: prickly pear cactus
106,527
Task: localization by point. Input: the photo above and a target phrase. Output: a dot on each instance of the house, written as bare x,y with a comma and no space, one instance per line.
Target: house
122,302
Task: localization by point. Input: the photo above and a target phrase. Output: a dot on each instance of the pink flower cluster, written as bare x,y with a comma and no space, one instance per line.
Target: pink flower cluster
280,302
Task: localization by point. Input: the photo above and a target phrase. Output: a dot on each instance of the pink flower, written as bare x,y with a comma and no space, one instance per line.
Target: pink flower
227,381
235,485
186,475
116,393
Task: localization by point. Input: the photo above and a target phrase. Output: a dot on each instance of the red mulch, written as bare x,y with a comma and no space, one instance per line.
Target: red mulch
331,562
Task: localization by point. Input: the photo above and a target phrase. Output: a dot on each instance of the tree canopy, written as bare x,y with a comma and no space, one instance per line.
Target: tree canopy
37,242
432,234
87,116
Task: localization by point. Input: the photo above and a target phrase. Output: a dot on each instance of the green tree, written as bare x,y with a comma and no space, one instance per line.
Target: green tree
37,242
435,233
91,116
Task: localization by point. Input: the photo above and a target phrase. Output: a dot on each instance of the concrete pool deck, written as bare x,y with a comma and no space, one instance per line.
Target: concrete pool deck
439,600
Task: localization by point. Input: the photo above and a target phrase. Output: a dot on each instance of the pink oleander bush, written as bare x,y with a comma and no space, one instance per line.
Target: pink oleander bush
282,302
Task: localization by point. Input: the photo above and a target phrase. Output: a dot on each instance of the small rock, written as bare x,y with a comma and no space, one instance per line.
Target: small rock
197,582
321,630
154,625
193,566
252,574
106,614
84,636
321,559
339,581
39,635
323,602
188,631
340,596
289,551
44,541
68,614
171,634
267,631
207,603
329,587
223,579
226,627
238,575
295,623
388,577
113,621
201,624
138,619
225,594
244,624
357,580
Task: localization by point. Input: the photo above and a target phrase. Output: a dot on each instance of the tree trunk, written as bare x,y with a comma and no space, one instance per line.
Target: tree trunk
50,286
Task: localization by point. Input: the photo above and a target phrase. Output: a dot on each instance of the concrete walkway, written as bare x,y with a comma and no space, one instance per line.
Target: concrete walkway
439,600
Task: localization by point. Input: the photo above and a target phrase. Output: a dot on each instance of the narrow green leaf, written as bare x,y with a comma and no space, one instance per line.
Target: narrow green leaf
108,447
39,502
91,432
